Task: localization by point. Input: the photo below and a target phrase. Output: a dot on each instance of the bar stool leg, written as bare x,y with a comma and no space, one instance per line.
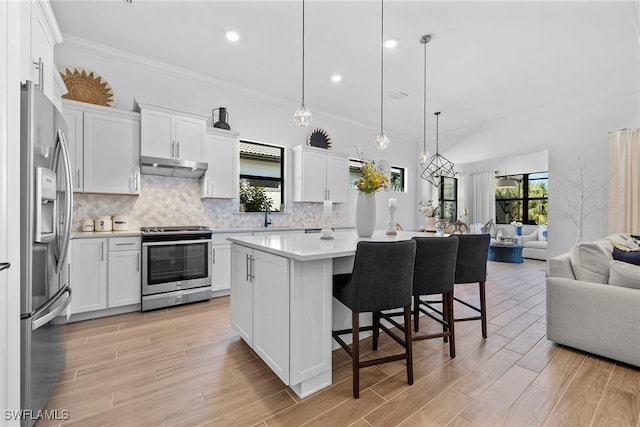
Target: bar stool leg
452,339
483,310
408,343
355,349
445,311
416,313
376,329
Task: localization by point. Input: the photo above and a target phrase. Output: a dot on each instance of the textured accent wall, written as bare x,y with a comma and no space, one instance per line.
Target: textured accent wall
165,201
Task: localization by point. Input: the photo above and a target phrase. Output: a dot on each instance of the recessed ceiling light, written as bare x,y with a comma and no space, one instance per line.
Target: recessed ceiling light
232,36
390,43
336,78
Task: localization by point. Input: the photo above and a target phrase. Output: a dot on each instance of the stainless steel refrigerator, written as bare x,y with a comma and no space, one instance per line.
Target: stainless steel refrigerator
46,200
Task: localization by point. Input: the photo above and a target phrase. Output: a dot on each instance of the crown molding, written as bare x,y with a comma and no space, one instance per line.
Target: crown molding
79,43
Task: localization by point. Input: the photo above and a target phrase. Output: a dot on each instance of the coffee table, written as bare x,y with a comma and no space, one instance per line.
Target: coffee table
505,253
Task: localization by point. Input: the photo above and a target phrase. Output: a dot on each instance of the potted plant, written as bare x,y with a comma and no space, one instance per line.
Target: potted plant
254,198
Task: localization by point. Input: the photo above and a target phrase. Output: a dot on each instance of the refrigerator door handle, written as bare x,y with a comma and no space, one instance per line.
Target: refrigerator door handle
38,321
64,151
4,265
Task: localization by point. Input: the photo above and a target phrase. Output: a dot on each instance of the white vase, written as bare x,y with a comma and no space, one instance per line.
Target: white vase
431,223
365,214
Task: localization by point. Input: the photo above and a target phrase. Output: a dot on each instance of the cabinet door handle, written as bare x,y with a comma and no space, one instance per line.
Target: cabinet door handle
125,244
138,270
173,143
101,251
178,155
40,67
78,176
4,265
252,264
246,264
213,256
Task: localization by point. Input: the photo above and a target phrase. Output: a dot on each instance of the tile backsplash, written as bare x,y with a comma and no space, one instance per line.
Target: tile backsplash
176,201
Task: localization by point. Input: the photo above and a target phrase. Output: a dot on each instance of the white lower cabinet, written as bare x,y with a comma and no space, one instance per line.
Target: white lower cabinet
260,305
88,275
124,278
105,273
221,271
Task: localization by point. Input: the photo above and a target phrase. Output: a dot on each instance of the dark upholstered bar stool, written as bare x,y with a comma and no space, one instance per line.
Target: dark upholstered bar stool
382,279
471,267
434,273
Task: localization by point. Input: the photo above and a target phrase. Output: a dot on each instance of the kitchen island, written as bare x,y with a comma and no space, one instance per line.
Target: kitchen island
282,303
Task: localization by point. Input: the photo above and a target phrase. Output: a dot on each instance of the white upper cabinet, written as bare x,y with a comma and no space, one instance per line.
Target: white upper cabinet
105,148
220,151
170,132
39,33
319,175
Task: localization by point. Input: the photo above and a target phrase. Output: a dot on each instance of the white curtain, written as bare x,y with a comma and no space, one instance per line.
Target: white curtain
624,181
481,197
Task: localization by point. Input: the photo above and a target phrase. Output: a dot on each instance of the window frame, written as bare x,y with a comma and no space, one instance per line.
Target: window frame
525,199
442,199
281,180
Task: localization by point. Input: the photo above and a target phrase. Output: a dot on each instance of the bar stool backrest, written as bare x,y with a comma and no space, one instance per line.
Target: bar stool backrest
435,265
471,262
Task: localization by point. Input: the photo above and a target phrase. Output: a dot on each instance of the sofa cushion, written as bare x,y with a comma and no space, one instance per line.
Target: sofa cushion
631,257
536,244
590,262
624,274
542,232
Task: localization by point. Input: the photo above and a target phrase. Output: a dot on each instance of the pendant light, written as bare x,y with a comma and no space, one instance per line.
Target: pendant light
438,166
424,156
302,116
382,141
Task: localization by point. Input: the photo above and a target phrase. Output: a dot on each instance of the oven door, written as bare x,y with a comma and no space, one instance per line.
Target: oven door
175,265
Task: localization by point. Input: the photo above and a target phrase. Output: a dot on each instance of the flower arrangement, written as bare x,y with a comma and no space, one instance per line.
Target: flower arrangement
372,179
427,209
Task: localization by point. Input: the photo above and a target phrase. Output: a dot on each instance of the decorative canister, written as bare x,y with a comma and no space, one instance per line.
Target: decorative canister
86,225
120,222
102,223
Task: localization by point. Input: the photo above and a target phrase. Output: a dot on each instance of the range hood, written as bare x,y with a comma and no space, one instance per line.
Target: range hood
172,167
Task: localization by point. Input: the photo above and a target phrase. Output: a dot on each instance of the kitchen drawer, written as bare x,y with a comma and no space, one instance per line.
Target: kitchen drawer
124,243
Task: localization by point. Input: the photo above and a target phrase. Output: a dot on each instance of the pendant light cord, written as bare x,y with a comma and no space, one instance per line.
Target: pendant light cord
424,106
382,68
303,52
437,129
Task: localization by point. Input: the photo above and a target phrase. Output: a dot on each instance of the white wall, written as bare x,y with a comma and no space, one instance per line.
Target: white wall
10,208
257,117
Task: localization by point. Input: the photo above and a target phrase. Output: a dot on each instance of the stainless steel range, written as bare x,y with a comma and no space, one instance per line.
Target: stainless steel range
176,265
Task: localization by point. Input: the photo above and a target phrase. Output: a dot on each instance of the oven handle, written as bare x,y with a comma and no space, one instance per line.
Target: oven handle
176,242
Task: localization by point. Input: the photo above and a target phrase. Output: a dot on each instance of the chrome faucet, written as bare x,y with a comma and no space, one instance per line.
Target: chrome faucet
267,217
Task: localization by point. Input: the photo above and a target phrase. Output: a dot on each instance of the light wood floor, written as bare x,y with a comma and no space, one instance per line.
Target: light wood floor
185,366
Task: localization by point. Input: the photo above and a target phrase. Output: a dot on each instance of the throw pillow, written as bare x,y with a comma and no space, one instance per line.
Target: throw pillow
631,257
590,262
542,232
624,274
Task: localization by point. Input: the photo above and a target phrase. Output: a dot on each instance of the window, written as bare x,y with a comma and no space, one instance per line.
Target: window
262,165
396,182
527,202
449,198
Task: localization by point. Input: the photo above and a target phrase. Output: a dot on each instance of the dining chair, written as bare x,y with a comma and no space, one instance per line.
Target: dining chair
471,267
382,279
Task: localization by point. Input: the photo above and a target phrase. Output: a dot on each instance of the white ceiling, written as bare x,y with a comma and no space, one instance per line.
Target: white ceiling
488,61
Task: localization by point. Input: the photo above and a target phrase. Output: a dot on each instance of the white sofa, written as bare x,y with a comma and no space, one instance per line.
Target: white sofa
598,314
531,246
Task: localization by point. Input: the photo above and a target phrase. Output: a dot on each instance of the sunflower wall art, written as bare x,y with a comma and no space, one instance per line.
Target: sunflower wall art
86,86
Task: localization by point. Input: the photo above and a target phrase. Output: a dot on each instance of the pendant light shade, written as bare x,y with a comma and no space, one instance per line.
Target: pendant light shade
382,142
438,166
424,155
302,115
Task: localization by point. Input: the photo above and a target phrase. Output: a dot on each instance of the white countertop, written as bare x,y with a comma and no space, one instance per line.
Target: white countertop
98,234
308,247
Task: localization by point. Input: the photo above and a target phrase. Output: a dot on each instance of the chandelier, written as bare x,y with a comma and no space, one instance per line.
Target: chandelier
438,166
